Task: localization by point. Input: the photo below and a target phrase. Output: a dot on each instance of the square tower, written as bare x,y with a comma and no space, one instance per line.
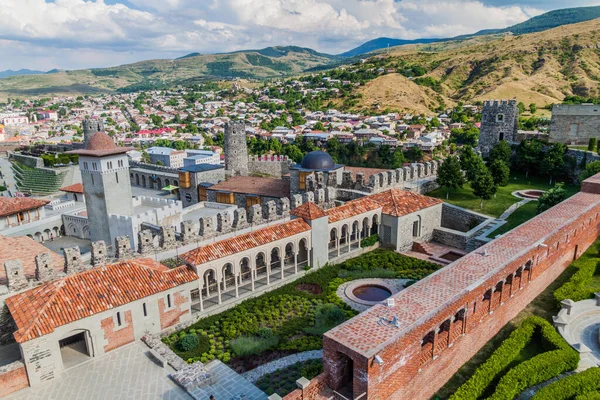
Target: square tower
106,185
499,121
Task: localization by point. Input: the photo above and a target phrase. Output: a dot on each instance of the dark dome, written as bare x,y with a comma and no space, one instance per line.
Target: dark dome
317,160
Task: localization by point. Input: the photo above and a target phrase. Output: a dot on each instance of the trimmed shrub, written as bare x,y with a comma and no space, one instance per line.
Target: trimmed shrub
538,369
582,385
189,342
327,316
592,144
577,287
369,241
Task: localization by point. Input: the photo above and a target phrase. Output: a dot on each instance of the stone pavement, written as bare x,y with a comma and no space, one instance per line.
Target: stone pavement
229,385
125,373
283,362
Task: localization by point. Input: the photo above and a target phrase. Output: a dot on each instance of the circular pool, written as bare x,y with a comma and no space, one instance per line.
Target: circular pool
371,293
529,194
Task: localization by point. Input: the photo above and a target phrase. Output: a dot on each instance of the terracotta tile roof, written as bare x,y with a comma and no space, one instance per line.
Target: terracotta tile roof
25,249
352,208
39,310
76,188
244,242
255,185
308,211
9,205
428,297
100,145
398,202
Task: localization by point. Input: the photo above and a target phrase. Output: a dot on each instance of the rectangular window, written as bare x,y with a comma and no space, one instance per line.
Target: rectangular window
225,198
119,322
169,301
252,200
302,180
117,176
145,310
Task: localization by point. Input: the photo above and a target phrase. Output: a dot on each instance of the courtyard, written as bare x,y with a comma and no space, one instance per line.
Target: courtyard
125,373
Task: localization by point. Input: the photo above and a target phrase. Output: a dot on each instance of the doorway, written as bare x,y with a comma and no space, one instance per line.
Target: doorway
74,350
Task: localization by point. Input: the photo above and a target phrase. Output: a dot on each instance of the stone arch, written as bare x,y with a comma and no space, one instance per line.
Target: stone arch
137,179
303,252
143,180
227,276
38,236
260,263
416,227
289,254
354,232
46,234
158,183
365,227
80,340
85,232
344,235
275,257
209,282
375,225
245,270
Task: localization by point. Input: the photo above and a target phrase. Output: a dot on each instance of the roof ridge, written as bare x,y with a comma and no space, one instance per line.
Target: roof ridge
58,285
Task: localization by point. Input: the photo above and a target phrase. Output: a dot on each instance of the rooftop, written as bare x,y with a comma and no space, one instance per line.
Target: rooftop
76,188
39,310
352,208
426,298
13,205
200,168
245,242
255,185
25,249
308,211
100,145
397,202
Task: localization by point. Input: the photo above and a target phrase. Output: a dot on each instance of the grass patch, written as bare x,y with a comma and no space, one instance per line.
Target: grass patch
252,345
521,215
465,198
283,381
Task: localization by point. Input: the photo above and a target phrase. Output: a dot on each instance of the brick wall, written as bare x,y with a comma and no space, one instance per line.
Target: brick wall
422,357
13,379
311,391
117,337
171,316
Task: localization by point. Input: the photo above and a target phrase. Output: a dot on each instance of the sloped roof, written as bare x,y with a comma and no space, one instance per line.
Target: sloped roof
352,209
76,188
255,185
13,205
244,242
39,310
100,145
25,249
398,202
308,211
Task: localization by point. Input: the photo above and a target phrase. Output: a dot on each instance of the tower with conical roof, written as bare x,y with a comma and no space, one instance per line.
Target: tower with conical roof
106,186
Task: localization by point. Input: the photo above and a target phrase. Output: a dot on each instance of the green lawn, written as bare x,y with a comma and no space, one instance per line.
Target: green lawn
522,214
465,198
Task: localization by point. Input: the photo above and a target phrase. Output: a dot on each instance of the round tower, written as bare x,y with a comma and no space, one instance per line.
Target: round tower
236,150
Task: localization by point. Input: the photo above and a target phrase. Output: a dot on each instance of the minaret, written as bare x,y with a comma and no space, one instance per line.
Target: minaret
106,185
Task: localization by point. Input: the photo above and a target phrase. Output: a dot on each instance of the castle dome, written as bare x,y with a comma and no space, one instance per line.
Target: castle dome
317,160
100,145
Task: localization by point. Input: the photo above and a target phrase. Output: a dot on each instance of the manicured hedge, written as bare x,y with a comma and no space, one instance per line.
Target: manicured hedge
577,288
538,369
584,385
369,241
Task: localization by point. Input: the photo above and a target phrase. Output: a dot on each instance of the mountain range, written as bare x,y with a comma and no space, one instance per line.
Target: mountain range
277,61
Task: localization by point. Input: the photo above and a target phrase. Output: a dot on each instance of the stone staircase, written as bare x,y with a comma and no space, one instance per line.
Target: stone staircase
423,248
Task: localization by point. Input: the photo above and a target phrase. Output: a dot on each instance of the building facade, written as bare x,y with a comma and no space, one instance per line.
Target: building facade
574,123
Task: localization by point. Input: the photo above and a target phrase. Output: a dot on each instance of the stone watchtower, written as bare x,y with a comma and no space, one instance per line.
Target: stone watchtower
91,126
106,186
499,121
236,150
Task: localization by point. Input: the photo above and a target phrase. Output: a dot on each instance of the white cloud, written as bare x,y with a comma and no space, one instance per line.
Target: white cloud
164,28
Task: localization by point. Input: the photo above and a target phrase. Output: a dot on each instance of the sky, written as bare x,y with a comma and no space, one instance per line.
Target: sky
74,34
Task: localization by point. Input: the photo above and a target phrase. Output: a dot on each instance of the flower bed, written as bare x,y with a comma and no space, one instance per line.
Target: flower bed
289,319
504,375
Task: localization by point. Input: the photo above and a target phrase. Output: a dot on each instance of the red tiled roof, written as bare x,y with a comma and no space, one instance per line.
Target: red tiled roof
244,242
398,202
25,249
10,206
76,188
255,185
309,211
429,296
100,145
351,209
39,310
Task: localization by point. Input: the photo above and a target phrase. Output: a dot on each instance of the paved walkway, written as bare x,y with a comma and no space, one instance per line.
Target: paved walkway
501,220
283,362
125,373
229,385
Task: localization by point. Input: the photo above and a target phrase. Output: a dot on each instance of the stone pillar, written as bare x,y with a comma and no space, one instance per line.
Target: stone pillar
122,248
44,270
239,218
73,263
283,207
206,227
320,196
255,215
15,275
145,242
188,232
223,222
98,253
308,197
270,210
167,238
296,201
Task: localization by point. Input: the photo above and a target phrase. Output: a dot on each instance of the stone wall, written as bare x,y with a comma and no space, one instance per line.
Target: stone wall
574,123
172,315
460,219
117,336
499,121
276,166
29,161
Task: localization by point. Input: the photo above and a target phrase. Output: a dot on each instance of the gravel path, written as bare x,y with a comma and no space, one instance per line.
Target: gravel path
259,372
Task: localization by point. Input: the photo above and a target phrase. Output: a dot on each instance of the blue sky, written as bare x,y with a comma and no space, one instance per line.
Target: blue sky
70,34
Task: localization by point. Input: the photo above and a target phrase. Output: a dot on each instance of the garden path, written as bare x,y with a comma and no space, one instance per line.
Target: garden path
501,220
529,392
259,372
